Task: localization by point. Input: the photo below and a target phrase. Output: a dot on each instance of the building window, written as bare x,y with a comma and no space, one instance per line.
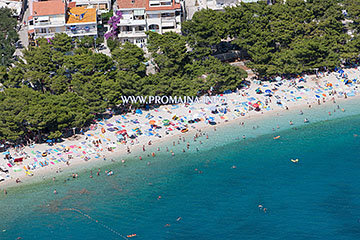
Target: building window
170,27
167,15
165,3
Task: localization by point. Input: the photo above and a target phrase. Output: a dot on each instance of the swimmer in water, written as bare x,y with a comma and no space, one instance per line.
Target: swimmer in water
55,192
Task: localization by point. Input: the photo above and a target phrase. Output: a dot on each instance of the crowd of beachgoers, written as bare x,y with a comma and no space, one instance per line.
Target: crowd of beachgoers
123,134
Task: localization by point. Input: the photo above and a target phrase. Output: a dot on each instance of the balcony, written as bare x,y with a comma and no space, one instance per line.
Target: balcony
156,21
81,32
168,18
44,35
49,23
130,34
132,22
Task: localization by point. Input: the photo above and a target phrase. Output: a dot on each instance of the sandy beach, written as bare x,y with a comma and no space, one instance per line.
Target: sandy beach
132,133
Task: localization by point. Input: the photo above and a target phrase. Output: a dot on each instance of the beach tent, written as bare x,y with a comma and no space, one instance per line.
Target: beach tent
278,78
268,91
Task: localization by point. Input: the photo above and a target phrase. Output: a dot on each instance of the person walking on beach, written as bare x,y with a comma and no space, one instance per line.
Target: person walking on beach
5,192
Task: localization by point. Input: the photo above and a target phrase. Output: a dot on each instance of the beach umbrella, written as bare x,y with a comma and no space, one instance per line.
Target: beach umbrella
317,96
138,111
122,132
166,122
255,105
152,122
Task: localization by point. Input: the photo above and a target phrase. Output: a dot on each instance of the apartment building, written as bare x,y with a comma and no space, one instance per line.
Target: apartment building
47,18
81,21
58,16
139,16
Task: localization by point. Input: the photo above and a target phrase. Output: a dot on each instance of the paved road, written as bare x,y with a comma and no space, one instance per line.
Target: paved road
24,41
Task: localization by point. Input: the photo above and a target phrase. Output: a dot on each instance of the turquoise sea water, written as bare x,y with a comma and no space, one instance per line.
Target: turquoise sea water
203,196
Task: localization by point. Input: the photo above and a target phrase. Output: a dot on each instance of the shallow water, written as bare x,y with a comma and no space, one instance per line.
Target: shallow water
203,196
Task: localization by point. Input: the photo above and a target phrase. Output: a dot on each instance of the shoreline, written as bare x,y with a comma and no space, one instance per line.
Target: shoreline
78,164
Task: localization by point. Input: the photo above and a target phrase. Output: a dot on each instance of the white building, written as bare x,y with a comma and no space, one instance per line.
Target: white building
14,5
46,19
139,16
81,21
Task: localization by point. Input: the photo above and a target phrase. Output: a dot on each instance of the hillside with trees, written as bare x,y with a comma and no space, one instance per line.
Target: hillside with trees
290,38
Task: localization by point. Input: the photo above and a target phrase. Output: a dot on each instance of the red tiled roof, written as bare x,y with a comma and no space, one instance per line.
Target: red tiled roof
30,17
72,4
52,7
132,3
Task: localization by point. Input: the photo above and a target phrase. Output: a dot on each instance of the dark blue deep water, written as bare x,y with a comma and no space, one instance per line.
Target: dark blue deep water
203,196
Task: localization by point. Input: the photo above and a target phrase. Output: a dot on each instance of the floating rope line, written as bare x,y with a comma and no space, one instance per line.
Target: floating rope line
96,221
